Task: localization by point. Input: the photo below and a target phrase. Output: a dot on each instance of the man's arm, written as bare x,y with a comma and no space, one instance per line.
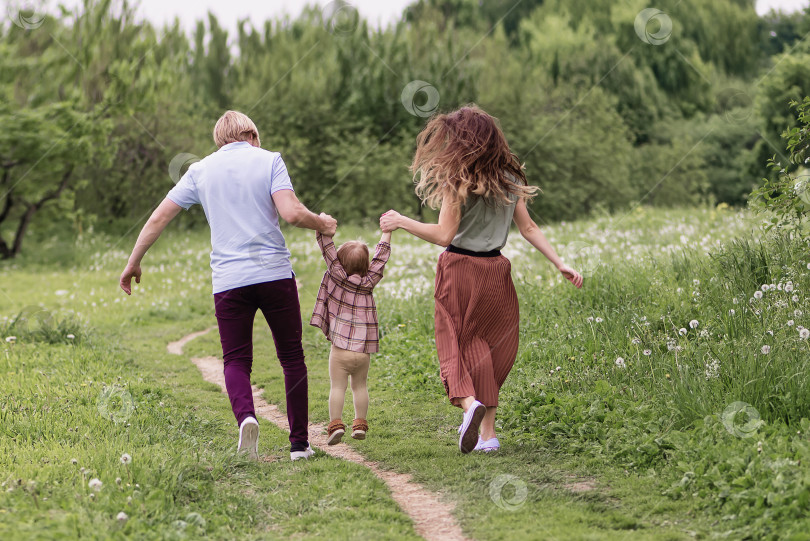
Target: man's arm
296,214
154,226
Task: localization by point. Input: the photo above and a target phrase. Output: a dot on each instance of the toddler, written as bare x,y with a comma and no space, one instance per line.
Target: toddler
346,313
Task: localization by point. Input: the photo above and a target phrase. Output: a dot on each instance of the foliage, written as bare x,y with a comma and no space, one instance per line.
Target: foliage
787,196
597,114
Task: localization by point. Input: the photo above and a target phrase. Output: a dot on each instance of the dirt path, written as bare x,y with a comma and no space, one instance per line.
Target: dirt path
432,518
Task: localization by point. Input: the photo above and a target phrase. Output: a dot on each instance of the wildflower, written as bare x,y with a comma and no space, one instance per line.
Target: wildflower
789,287
804,334
74,461
599,320
636,340
713,369
11,339
559,368
682,331
667,375
589,320
765,287
790,323
95,484
795,298
70,336
679,290
734,300
731,312
647,352
693,324
620,362
696,282
126,459
797,313
757,294
808,266
766,349
121,517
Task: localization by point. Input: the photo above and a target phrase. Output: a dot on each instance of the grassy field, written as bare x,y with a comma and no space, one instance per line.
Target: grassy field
667,399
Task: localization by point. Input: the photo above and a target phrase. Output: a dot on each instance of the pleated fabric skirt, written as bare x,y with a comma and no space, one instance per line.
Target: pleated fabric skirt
477,325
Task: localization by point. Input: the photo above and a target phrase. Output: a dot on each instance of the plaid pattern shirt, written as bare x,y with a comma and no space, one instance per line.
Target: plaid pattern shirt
345,309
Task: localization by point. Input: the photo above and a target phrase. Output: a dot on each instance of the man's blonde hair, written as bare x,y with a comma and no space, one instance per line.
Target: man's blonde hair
234,126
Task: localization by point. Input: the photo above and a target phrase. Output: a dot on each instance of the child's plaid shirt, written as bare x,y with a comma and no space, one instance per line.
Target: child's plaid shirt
345,309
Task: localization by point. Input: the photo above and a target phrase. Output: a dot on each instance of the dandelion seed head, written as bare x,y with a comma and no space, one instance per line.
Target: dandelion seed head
693,324
765,349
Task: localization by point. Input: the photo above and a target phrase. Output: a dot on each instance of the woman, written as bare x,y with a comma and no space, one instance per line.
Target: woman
243,190
465,167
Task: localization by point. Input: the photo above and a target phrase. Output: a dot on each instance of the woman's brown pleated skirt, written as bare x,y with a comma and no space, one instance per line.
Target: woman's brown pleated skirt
477,319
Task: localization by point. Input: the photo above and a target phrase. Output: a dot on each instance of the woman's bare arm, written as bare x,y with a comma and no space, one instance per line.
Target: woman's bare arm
531,232
441,233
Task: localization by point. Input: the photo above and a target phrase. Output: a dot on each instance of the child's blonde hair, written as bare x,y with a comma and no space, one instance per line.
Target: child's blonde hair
353,255
233,127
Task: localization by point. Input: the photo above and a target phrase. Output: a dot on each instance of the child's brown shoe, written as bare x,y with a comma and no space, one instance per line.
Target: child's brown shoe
335,432
359,429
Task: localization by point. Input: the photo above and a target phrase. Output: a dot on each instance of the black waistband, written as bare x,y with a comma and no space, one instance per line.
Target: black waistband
462,251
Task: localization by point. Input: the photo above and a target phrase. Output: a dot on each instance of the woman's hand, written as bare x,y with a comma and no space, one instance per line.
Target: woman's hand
131,271
571,275
390,221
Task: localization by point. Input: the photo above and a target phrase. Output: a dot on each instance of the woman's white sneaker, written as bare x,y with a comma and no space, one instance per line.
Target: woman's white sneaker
468,431
487,446
249,438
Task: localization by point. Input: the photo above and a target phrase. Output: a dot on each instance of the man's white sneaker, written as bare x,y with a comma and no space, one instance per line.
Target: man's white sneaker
249,438
306,453
469,427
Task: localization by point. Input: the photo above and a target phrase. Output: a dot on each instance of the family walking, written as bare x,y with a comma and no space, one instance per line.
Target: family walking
464,167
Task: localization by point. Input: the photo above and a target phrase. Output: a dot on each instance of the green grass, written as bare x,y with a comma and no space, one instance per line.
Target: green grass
660,458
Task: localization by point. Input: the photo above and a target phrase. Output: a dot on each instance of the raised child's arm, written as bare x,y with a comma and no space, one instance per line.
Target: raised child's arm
381,254
329,252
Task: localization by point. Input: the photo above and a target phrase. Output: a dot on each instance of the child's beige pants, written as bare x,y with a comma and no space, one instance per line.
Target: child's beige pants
342,364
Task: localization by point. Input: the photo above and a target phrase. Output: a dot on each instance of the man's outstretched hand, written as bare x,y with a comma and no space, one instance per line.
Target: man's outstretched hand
131,271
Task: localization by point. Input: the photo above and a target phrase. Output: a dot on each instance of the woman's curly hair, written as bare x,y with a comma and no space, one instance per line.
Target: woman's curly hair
464,153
